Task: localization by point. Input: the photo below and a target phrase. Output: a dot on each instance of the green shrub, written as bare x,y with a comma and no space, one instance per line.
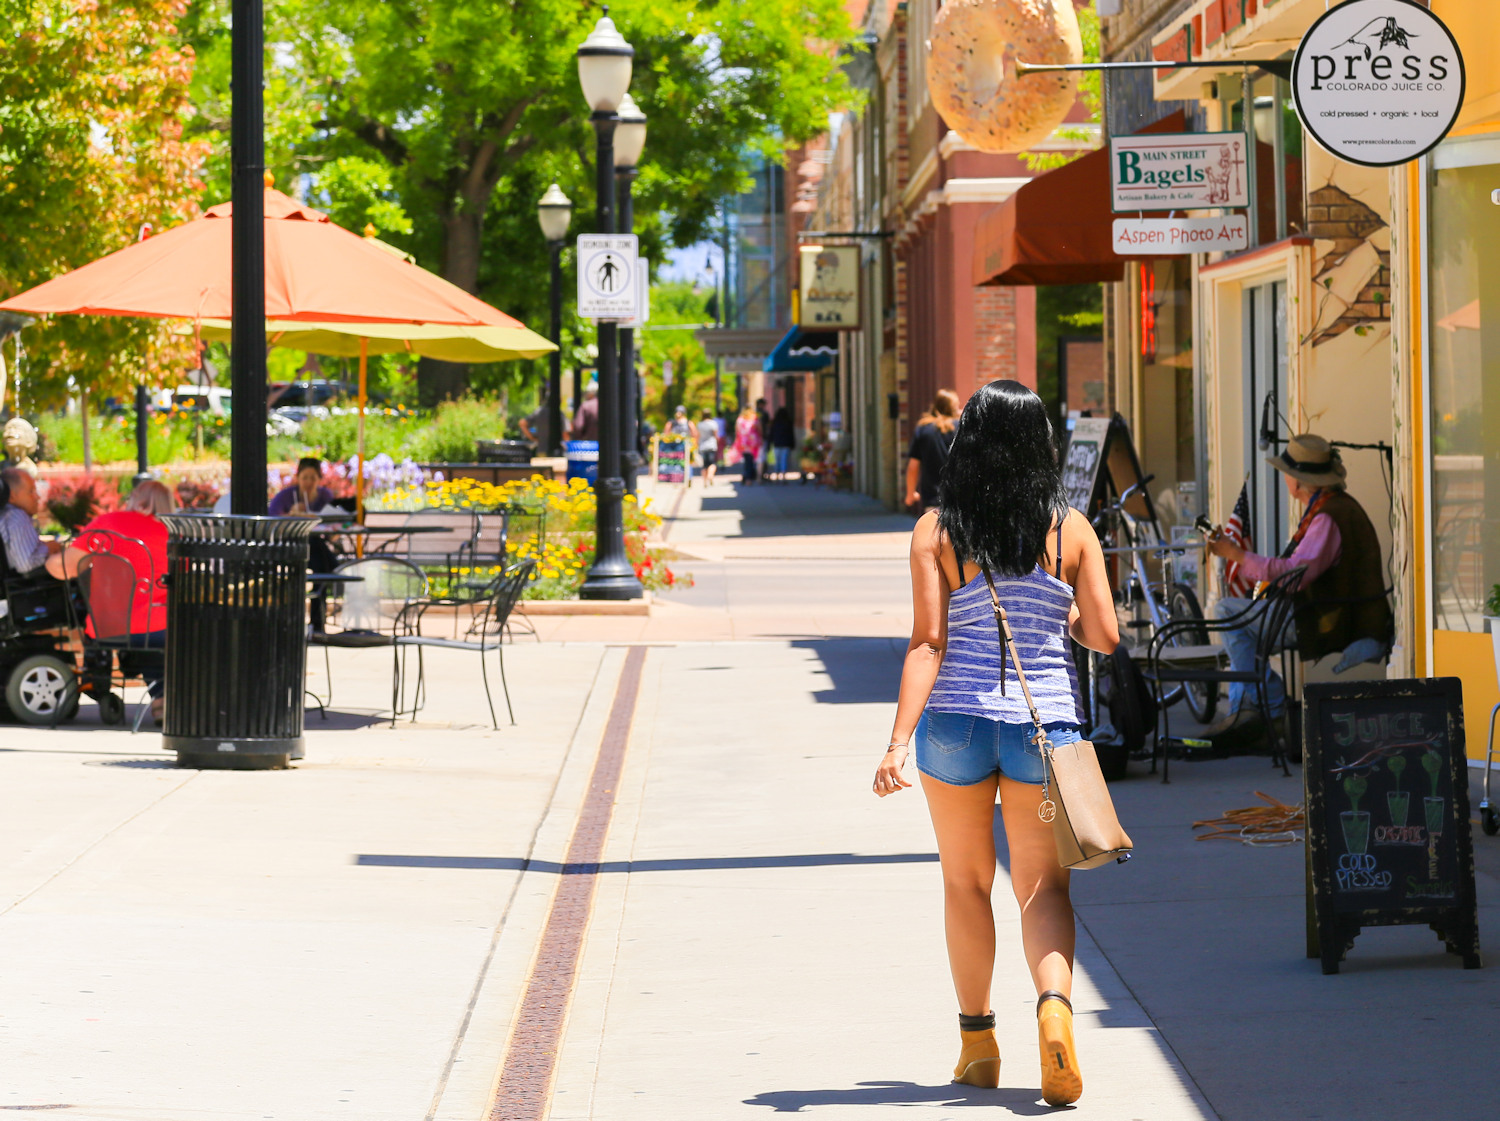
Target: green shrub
450,436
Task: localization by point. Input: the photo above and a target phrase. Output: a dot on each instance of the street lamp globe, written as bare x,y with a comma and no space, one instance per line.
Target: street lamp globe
555,212
630,134
604,60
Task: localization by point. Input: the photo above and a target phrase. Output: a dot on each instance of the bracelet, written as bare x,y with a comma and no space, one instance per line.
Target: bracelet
895,743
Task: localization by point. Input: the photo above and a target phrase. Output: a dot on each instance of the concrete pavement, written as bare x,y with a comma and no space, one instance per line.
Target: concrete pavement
759,934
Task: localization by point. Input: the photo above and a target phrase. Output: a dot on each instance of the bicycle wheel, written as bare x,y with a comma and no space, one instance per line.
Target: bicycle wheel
1202,697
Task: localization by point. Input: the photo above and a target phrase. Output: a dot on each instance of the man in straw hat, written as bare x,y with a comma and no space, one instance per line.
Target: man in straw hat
1341,602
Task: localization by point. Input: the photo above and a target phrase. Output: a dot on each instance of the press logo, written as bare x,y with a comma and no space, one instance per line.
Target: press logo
1361,59
1378,82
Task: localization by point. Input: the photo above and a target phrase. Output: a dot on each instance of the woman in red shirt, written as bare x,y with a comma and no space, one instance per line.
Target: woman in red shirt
139,523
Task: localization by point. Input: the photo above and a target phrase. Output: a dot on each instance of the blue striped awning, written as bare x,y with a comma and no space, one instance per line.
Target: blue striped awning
802,351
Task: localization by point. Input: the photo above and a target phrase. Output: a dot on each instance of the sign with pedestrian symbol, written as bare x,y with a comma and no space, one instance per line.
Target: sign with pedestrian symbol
607,276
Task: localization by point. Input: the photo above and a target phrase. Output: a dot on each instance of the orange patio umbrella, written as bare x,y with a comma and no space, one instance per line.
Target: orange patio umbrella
316,272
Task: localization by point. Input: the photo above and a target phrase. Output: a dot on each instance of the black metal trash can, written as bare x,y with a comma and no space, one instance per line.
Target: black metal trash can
236,640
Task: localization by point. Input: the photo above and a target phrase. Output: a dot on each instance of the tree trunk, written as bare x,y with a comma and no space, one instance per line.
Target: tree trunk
440,381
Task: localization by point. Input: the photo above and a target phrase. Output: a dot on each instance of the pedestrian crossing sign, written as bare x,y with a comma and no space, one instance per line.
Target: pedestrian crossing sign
607,271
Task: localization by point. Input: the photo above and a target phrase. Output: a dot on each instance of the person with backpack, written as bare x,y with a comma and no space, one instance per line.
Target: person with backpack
928,453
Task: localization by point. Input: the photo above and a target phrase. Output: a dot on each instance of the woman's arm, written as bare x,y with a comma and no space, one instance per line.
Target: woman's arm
913,477
1093,622
924,653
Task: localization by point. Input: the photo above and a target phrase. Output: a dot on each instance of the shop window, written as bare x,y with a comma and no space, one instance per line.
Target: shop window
1464,283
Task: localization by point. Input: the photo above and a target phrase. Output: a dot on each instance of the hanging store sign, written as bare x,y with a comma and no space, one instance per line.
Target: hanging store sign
1177,171
829,287
607,276
1378,82
1167,237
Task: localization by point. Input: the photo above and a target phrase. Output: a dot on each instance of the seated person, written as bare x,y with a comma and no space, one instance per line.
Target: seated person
305,496
25,551
1341,600
308,496
139,520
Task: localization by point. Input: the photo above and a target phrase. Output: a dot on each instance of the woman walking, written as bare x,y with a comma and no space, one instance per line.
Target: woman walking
708,446
747,442
783,440
1002,514
929,451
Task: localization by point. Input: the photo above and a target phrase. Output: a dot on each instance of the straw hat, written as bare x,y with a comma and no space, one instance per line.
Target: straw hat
1311,460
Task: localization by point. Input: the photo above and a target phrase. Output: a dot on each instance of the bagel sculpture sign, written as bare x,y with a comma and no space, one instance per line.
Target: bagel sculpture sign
971,69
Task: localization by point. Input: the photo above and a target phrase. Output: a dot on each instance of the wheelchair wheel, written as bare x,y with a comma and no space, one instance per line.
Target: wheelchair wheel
42,689
1202,696
111,708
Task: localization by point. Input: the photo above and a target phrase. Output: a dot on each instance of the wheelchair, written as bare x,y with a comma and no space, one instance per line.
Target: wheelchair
37,664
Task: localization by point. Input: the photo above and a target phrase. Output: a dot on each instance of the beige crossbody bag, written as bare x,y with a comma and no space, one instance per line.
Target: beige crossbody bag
1083,819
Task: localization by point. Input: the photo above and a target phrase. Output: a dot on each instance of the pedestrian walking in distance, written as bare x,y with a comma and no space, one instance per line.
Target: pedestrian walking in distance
1002,513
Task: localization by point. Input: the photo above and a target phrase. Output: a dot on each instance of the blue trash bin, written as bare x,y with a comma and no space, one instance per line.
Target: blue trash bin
583,460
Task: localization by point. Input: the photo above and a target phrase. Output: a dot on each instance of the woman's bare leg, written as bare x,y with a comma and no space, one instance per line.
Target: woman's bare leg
963,817
1041,887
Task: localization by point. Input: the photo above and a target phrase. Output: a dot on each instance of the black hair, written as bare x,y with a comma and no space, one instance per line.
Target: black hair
1001,490
310,461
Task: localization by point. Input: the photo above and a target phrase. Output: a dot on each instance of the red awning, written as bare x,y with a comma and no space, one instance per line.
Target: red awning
1057,229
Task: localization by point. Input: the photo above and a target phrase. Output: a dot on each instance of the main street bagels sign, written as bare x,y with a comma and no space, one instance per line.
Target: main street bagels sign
1378,82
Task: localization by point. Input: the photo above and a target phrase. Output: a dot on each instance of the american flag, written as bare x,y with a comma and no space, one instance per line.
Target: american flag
1237,530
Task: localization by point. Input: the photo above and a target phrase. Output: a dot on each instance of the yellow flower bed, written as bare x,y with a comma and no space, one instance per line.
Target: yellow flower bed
569,505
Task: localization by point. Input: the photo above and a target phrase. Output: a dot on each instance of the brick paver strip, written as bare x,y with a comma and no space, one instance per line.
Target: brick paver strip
526,1077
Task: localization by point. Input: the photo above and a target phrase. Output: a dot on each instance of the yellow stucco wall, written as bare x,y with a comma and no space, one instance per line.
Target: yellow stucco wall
1473,25
1469,657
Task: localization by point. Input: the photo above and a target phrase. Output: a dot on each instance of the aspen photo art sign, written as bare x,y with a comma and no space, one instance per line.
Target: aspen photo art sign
1378,82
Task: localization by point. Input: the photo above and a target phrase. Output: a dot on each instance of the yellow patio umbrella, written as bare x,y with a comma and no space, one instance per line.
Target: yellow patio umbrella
447,342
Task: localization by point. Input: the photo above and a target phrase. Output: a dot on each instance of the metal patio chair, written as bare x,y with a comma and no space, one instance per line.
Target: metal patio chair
485,635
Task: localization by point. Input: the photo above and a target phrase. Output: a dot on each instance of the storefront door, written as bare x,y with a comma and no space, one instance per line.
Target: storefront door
1265,383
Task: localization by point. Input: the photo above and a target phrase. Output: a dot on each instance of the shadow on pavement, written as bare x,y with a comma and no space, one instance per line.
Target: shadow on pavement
684,864
789,510
863,670
1021,1102
335,720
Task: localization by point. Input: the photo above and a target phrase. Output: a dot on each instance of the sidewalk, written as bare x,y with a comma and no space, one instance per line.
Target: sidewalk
352,939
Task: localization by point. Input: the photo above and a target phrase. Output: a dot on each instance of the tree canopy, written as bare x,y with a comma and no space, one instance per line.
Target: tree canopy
443,123
93,99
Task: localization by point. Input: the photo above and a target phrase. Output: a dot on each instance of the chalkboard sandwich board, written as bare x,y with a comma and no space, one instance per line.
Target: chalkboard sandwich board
1387,786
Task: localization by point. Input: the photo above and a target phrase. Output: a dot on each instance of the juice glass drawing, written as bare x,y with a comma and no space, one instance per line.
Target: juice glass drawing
1399,803
1356,825
1433,808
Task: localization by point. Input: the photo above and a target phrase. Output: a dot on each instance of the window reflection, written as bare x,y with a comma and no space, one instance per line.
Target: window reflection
1465,386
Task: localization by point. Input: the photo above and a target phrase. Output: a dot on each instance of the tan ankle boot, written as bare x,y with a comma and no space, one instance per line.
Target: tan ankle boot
979,1061
1062,1082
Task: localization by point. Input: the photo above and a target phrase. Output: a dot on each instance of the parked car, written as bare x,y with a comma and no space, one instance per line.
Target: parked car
314,391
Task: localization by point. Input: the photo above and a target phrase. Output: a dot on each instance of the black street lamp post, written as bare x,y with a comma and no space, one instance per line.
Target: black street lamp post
604,62
630,139
555,212
247,340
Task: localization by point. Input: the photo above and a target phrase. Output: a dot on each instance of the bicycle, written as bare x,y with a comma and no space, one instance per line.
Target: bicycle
1148,605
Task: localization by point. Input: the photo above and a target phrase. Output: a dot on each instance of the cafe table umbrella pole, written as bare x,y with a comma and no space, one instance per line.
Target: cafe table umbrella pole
359,478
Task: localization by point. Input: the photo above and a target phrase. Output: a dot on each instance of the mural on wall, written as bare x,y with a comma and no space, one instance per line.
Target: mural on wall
1351,266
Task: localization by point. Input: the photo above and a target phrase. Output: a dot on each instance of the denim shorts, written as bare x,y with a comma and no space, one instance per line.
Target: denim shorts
962,750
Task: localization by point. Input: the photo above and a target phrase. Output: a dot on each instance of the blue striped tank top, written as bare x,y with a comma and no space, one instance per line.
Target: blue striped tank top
968,682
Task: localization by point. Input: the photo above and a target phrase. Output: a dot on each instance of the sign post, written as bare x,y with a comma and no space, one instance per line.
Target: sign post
1386,781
